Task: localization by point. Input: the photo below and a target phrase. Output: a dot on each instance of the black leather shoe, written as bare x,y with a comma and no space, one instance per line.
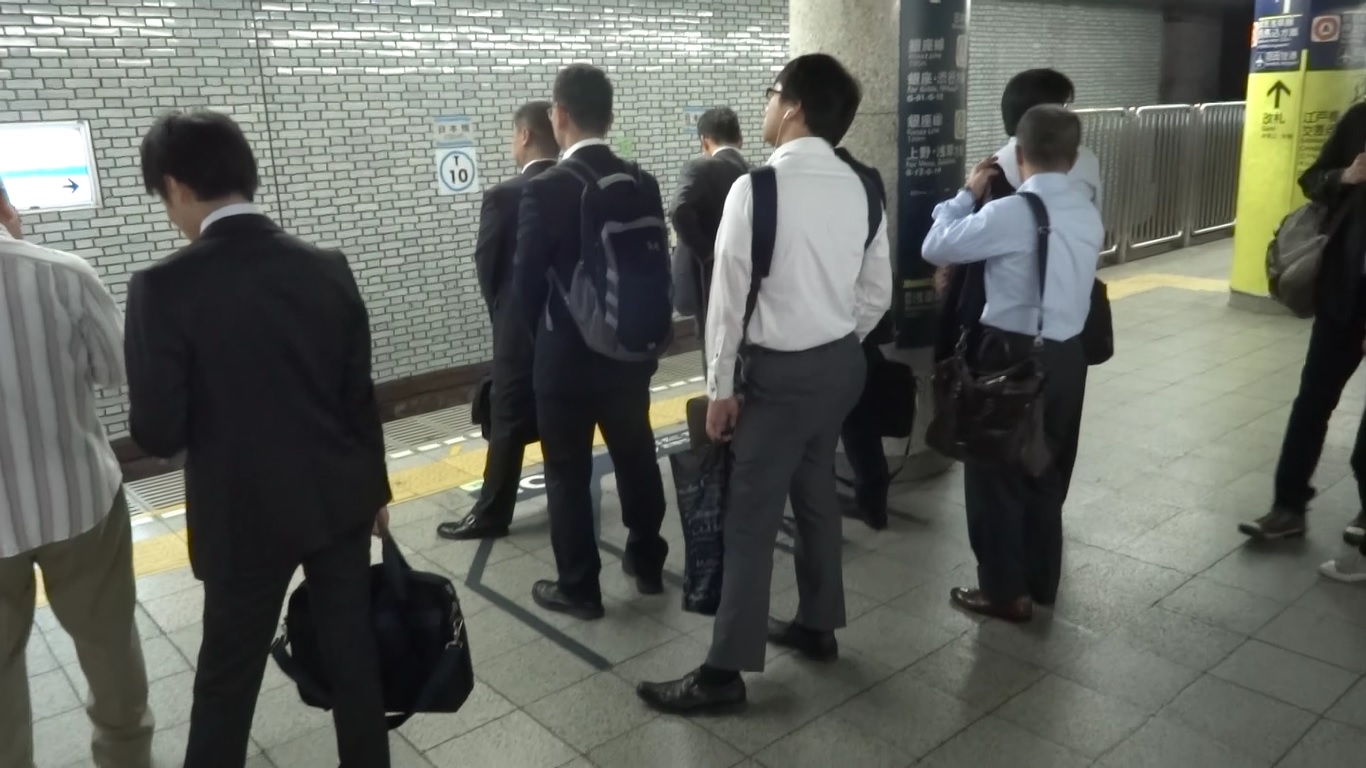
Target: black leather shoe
850,508
470,529
645,585
549,596
689,697
1280,523
817,646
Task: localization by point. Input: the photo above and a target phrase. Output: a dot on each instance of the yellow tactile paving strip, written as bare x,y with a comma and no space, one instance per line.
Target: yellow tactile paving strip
461,466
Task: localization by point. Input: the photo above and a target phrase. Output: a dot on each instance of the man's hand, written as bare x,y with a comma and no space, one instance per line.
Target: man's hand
941,281
1356,172
721,417
980,176
381,528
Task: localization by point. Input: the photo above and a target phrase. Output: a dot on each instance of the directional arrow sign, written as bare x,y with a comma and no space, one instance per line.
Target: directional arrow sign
1277,91
71,185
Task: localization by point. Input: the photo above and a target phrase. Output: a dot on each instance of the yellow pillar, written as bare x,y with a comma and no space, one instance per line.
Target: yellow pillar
1305,70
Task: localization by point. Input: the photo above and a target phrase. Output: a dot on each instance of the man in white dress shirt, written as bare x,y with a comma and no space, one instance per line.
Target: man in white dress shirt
827,288
1014,520
61,496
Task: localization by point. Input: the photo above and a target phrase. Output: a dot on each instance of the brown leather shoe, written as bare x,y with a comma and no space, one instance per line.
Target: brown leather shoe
973,600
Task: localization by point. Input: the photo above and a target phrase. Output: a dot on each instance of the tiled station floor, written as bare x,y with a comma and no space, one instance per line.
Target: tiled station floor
1174,642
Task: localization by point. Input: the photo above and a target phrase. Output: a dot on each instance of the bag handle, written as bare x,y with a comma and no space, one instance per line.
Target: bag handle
1044,229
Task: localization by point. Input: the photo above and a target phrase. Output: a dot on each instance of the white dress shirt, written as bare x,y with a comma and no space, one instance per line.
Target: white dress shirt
823,284
61,336
235,209
1086,171
1003,234
581,144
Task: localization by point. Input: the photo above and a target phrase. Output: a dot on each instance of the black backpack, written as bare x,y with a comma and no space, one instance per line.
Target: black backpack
621,294
424,650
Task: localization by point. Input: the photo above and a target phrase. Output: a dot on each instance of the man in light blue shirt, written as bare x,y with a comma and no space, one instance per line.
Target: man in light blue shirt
1015,521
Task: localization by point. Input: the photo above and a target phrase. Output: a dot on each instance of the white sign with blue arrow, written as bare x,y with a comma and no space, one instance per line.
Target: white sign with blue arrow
47,166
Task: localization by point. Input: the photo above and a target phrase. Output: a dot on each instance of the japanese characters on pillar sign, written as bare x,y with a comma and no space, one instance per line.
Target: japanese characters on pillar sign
1306,67
932,143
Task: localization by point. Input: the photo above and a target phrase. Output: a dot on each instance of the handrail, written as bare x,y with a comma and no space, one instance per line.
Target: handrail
1169,173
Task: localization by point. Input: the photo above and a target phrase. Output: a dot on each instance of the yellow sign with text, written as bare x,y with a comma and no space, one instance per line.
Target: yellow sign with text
1305,71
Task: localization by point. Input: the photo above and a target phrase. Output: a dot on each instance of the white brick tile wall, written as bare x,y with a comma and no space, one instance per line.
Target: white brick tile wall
1111,51
338,98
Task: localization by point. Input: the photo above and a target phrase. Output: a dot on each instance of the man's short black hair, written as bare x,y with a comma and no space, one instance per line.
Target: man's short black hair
1031,88
534,116
586,94
720,124
1049,137
205,151
829,96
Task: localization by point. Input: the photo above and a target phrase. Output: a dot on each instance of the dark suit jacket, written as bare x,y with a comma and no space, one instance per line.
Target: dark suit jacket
1339,282
249,350
514,401
696,216
548,239
965,296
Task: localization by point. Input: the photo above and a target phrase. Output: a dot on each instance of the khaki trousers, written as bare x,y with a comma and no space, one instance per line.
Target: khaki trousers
89,583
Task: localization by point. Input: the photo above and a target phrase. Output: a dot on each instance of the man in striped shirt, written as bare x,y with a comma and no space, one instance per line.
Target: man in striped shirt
61,499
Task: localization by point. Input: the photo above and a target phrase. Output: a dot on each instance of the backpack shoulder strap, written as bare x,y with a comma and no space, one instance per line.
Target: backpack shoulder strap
875,209
581,171
1044,229
764,188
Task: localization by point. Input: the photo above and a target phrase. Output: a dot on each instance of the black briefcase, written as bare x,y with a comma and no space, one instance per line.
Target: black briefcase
424,650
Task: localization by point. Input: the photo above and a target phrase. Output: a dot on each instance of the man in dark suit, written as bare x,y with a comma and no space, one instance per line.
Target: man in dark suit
513,402
697,205
249,351
861,434
577,388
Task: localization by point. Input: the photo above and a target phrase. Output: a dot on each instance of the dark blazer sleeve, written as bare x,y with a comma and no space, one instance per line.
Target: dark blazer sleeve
358,393
157,358
533,254
1322,181
489,247
684,213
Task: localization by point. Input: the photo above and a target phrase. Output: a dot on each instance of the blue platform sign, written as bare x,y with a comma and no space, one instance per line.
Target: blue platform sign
48,166
1279,35
932,149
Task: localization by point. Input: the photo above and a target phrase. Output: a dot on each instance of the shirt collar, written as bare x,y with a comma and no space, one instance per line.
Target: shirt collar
235,209
527,167
807,145
724,148
580,145
1046,182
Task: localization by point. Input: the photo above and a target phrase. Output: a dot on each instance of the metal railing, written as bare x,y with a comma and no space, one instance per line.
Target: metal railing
1170,173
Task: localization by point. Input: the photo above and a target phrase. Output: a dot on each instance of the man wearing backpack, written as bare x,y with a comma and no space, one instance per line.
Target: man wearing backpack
592,265
1336,180
797,284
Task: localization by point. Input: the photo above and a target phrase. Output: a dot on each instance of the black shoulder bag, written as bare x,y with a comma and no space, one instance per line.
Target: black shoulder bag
424,649
995,417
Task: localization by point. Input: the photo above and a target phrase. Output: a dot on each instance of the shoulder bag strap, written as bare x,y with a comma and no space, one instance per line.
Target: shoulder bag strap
1044,229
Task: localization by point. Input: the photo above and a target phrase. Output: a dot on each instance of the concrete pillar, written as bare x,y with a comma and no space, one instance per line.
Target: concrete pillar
865,36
